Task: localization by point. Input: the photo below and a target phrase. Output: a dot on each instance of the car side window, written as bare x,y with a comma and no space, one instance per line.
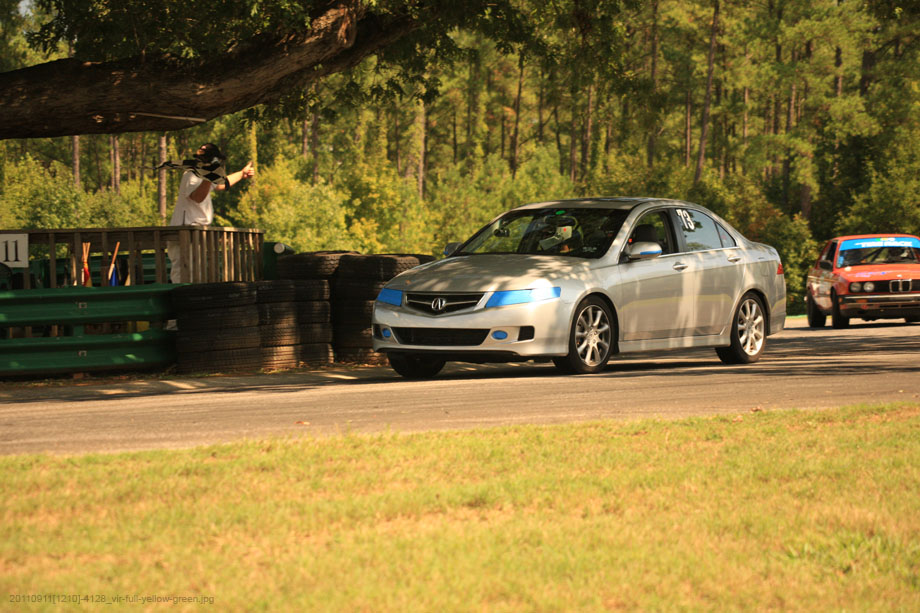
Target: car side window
699,230
654,227
725,237
828,253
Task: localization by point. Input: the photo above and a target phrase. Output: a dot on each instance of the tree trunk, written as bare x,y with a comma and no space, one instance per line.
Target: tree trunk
454,116
396,150
805,203
558,132
573,140
653,76
116,163
777,112
540,102
587,132
161,180
866,71
423,148
517,118
790,123
75,144
704,127
314,145
744,120
688,126
501,134
151,93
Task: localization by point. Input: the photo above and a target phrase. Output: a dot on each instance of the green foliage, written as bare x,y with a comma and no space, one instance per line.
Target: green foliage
131,207
106,29
892,202
464,202
34,196
385,212
308,218
12,48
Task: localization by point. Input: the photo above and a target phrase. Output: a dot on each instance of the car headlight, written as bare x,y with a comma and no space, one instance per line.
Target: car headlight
868,286
855,287
521,296
390,296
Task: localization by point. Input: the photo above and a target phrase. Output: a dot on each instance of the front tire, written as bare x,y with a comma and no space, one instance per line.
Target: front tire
816,319
838,320
748,333
590,340
414,366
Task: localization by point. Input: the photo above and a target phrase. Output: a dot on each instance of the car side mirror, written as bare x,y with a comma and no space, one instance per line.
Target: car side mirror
643,250
825,265
451,247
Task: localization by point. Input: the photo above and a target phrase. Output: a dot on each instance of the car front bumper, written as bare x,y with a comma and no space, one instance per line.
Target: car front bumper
880,305
505,333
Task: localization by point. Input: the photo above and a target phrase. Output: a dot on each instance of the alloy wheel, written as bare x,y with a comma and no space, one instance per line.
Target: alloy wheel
751,326
592,335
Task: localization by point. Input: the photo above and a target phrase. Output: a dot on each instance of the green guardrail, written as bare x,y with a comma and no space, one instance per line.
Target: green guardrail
63,354
72,310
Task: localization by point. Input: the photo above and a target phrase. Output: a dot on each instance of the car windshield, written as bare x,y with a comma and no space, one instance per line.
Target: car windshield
574,232
868,251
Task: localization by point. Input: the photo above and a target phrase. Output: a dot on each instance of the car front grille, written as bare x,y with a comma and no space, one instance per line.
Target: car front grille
440,304
901,286
450,337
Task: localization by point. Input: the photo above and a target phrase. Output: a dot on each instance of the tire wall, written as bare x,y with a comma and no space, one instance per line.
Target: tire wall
265,325
319,310
355,280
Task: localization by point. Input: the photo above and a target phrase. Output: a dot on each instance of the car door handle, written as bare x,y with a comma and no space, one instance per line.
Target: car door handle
680,266
734,258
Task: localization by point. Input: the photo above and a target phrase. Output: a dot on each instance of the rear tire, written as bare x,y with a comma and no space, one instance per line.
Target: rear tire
591,339
414,366
838,320
748,333
816,319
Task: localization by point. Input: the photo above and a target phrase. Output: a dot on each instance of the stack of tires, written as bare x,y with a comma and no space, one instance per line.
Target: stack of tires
267,325
294,323
358,281
311,265
218,327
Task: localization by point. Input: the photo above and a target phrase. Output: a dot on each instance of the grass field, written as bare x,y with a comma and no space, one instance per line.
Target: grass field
798,511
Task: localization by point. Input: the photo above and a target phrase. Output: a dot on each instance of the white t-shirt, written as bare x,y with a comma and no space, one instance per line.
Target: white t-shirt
188,212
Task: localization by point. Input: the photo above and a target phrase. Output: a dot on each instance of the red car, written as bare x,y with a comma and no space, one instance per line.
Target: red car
869,276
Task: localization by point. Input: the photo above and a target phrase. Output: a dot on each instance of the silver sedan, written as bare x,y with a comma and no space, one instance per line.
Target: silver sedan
580,280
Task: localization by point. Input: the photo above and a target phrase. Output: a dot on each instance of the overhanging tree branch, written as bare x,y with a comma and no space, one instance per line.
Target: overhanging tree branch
69,96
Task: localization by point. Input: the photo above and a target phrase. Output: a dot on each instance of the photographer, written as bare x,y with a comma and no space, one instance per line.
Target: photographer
193,203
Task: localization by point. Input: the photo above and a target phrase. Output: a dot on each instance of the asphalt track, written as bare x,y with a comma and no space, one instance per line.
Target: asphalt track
801,369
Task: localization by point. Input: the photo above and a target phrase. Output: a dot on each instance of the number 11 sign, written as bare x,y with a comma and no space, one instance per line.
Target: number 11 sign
14,250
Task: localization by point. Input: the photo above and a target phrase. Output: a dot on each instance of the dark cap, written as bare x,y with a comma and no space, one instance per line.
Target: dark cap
209,152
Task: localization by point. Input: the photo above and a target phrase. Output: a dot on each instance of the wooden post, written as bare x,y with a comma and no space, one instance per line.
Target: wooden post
75,276
52,259
132,261
159,257
185,254
225,248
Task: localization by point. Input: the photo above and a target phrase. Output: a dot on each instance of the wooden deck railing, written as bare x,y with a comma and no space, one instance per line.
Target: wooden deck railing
210,254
